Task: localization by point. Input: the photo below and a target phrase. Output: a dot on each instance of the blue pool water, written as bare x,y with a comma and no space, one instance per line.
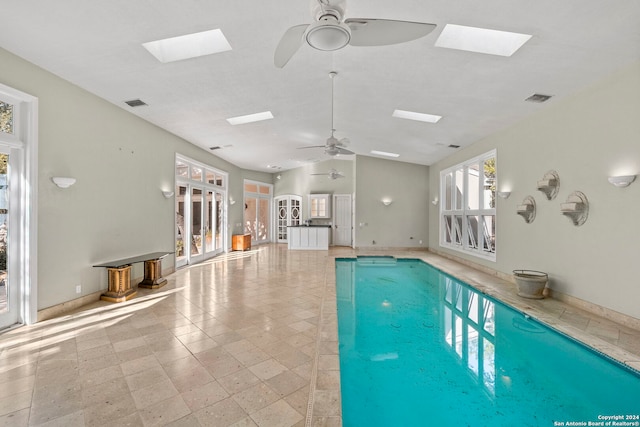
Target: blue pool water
420,348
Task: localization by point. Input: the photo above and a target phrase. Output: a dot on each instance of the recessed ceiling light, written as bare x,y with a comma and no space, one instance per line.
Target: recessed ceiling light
481,40
421,117
384,153
188,46
240,120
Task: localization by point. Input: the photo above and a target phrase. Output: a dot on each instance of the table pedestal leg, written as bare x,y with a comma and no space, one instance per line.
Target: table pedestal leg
153,275
119,285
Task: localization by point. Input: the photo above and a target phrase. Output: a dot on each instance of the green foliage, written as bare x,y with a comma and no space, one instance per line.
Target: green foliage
4,158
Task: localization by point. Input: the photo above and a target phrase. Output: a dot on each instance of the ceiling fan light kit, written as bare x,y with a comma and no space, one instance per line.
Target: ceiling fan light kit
328,34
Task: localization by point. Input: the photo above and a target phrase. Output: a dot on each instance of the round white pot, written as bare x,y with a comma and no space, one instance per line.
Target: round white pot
531,283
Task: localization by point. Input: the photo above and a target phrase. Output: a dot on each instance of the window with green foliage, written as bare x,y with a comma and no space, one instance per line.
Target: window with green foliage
468,206
6,118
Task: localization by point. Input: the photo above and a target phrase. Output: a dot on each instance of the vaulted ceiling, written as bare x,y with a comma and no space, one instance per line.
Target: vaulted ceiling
97,45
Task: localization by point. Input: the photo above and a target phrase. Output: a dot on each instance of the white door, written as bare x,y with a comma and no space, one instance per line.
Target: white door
288,213
342,222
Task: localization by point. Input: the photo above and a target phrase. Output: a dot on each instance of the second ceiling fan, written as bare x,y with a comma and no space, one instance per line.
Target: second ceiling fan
333,146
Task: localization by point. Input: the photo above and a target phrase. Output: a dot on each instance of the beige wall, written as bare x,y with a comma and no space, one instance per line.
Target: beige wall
402,224
585,138
121,164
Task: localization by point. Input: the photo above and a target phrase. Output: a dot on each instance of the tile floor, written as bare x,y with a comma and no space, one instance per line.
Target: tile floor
246,339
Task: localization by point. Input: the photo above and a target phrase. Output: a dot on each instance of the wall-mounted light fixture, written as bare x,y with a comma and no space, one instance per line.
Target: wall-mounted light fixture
386,201
550,184
504,194
231,201
167,194
622,180
435,201
278,176
63,181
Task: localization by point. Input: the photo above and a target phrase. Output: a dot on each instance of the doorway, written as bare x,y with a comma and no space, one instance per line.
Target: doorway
200,212
342,220
18,245
288,213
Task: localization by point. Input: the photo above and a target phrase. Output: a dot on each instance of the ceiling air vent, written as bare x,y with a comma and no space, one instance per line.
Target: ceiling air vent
217,147
538,97
453,146
135,103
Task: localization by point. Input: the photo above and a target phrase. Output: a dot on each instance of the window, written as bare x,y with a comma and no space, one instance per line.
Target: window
468,208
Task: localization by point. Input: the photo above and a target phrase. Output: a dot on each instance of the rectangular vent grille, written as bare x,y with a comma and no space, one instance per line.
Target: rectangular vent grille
217,147
135,103
453,146
538,97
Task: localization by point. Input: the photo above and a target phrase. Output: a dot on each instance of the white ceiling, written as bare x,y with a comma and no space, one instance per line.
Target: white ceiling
97,45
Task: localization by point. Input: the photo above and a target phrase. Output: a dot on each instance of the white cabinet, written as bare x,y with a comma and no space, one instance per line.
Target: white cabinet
319,206
308,238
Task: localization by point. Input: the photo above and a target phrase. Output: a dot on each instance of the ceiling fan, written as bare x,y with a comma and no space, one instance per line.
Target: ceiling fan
334,146
332,174
331,31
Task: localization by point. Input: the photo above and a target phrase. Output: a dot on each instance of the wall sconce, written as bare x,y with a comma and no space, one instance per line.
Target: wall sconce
550,184
576,208
435,201
527,209
386,201
504,194
278,176
167,194
231,201
63,181
622,180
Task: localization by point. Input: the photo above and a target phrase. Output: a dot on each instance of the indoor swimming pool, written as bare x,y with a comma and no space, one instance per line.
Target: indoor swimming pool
420,348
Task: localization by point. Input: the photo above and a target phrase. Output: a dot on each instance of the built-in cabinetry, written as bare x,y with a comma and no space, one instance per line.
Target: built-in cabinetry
319,206
309,237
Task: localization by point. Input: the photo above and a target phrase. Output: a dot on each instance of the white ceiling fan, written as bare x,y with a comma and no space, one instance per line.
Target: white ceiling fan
331,31
334,146
332,174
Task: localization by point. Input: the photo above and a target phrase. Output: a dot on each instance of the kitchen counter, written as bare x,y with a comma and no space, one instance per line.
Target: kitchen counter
309,237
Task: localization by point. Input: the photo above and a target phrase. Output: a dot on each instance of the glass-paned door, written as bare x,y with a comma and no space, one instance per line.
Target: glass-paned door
257,211
287,214
196,246
5,292
181,225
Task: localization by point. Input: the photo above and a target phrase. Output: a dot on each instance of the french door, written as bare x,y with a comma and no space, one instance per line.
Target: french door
288,213
257,210
18,244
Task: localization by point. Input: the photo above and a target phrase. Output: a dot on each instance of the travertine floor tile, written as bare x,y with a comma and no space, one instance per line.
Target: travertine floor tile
236,341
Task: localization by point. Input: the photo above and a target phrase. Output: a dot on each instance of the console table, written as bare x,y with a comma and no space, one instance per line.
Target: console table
119,272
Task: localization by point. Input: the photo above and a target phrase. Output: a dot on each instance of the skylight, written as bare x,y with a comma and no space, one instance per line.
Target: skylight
240,120
421,117
188,46
384,153
481,40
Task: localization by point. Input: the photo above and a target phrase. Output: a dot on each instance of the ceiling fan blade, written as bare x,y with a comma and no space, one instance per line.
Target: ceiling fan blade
289,45
381,32
344,151
312,146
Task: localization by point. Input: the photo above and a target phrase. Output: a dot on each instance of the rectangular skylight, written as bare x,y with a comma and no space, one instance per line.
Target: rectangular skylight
421,117
481,40
384,153
188,46
240,120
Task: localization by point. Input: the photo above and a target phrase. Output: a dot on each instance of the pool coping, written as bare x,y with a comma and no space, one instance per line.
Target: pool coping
324,406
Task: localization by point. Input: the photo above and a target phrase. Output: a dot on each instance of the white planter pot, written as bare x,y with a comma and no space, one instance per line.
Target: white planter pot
531,283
